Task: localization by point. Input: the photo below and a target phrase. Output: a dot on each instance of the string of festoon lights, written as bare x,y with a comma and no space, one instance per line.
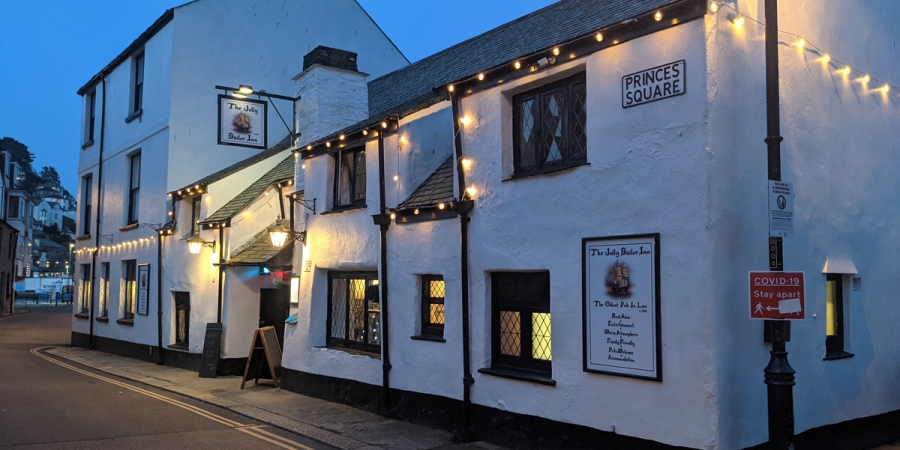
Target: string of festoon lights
739,19
122,245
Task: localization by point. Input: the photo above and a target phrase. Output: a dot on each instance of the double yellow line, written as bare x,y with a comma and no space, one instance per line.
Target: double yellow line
252,430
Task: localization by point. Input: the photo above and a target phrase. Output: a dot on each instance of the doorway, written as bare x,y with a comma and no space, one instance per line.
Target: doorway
274,308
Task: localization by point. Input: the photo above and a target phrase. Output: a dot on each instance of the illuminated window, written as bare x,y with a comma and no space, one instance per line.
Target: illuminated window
182,318
354,311
195,216
834,317
433,306
85,289
104,289
520,322
549,127
130,288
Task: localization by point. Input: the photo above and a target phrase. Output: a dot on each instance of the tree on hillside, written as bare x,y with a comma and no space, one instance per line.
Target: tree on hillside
20,154
49,174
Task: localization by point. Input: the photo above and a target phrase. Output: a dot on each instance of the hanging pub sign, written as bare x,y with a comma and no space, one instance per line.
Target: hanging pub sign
653,84
621,306
242,122
143,298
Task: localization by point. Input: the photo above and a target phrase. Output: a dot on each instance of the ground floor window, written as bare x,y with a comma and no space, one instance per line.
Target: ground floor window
104,289
433,305
84,299
182,318
129,268
520,321
354,310
834,317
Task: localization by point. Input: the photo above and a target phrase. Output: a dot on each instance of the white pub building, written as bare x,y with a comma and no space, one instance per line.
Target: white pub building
541,236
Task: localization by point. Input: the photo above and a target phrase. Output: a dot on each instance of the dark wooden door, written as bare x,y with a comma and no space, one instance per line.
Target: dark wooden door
274,308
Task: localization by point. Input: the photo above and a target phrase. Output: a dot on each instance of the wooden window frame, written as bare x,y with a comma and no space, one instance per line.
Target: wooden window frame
531,295
569,116
134,188
354,179
129,278
346,341
428,328
195,216
183,305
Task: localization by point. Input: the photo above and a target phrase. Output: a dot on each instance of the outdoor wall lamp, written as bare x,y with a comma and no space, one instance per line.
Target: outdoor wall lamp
281,232
196,243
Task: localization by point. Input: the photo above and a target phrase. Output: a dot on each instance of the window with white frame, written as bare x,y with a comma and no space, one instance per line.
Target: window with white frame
349,178
134,187
549,127
137,86
90,117
84,299
104,290
14,210
86,198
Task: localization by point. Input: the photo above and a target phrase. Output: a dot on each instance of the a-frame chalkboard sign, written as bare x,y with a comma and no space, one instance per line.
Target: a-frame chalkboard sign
265,343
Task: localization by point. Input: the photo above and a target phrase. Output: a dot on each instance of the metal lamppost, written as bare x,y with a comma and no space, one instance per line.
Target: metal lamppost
779,376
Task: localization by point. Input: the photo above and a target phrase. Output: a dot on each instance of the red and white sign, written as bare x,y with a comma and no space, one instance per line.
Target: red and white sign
777,296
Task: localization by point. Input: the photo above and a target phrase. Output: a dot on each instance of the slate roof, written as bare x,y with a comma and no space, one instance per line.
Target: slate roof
438,187
283,171
411,88
257,250
261,156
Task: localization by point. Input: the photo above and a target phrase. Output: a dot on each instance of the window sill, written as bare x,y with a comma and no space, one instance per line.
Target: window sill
134,115
551,170
352,351
83,237
343,209
129,322
516,375
87,144
130,226
103,319
179,347
831,356
423,337
82,315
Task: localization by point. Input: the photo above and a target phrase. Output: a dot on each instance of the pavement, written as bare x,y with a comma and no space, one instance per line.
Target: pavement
334,424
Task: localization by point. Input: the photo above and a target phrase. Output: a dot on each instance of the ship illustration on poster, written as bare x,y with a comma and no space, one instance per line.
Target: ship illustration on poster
241,122
617,283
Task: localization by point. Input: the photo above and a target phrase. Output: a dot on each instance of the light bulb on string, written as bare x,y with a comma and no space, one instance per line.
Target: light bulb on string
866,78
517,65
886,88
801,43
658,16
599,37
713,6
846,70
739,22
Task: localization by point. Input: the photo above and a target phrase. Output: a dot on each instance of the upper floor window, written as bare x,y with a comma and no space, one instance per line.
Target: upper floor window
350,178
15,207
86,197
195,216
549,127
134,189
137,86
90,118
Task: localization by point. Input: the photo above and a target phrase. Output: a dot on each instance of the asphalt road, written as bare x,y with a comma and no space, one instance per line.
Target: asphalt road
47,405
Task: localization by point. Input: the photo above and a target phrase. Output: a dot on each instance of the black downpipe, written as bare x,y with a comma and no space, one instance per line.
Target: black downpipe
159,301
98,212
221,293
463,208
384,222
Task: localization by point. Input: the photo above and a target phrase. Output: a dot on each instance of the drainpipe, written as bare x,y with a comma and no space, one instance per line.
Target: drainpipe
159,302
384,221
99,209
221,293
463,208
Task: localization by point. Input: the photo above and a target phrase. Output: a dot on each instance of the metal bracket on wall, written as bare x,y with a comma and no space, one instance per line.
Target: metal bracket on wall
308,206
107,237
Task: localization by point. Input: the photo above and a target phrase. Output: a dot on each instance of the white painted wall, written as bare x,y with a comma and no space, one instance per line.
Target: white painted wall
839,147
331,99
265,53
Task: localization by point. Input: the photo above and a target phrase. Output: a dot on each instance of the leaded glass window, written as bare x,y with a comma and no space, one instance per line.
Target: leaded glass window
350,178
549,127
520,321
354,310
433,290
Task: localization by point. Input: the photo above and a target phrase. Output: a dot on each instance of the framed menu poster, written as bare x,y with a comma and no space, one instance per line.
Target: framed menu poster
620,289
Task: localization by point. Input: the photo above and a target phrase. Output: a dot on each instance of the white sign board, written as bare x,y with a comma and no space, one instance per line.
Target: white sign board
653,84
781,209
242,122
143,288
621,306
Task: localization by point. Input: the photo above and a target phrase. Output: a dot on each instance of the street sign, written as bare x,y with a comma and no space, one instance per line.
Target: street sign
777,296
781,209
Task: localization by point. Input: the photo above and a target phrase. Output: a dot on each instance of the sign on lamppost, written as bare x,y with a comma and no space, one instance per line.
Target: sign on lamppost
242,122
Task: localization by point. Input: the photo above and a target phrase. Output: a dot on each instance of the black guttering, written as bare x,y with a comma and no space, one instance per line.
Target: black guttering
138,43
383,220
98,212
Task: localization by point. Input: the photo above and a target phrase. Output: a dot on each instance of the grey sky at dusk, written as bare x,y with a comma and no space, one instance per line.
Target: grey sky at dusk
50,48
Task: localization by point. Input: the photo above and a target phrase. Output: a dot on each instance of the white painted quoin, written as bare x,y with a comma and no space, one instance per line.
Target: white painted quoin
187,52
691,168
